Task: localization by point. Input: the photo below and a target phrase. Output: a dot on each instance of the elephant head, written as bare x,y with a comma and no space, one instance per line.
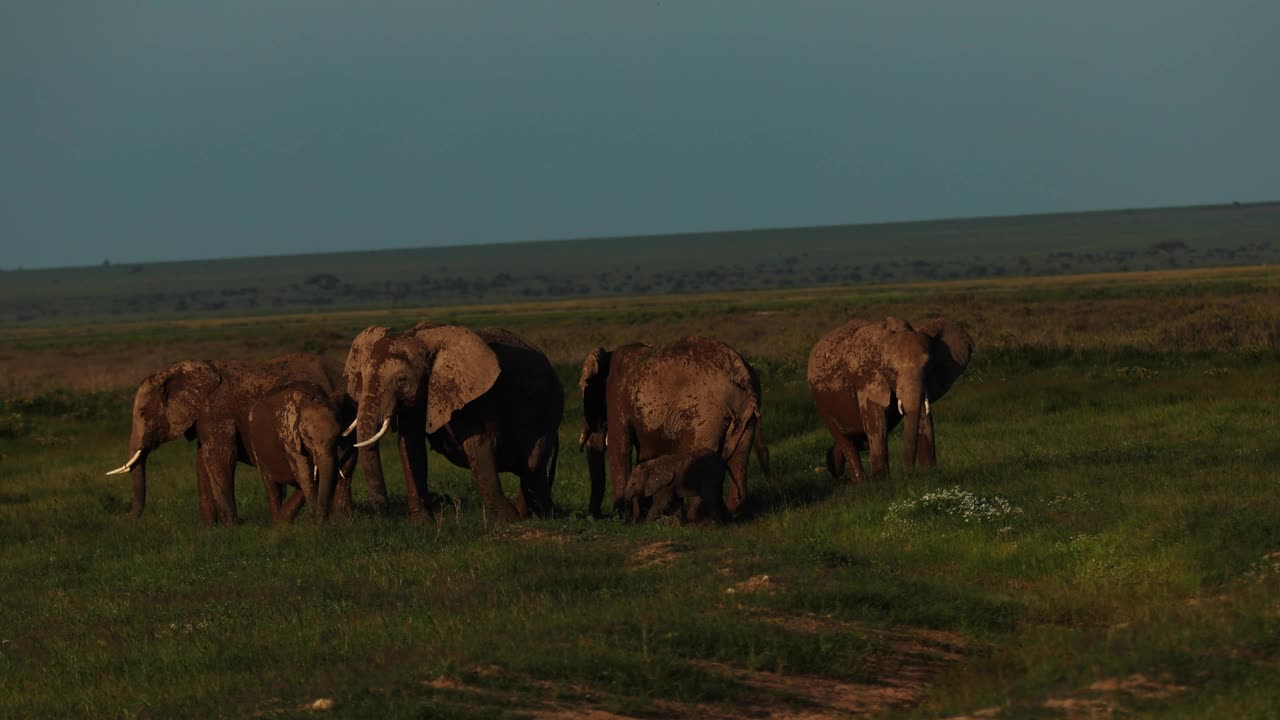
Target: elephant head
899,368
900,375
166,407
435,371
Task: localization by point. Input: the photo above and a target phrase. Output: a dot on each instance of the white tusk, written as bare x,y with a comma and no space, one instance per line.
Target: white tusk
926,406
381,431
900,410
606,442
127,466
350,429
342,475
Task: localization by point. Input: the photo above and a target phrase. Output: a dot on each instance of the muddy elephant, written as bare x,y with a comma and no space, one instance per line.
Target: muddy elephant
294,437
665,481
692,396
866,377
486,400
209,402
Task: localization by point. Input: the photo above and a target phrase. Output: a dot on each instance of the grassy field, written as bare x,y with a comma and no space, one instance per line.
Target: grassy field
975,248
1100,537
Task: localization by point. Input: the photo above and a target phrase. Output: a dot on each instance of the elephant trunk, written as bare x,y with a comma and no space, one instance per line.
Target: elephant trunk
327,478
911,404
140,445
138,474
373,416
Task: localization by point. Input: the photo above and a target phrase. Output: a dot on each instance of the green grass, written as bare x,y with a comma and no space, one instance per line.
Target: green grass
1145,507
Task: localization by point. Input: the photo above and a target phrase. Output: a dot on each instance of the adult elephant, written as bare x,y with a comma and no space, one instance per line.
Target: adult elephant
693,396
487,400
210,402
866,377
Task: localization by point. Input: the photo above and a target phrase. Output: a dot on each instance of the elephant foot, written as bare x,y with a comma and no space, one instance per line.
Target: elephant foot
421,518
835,465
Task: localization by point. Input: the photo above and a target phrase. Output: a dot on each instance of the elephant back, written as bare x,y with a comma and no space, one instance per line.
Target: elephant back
829,357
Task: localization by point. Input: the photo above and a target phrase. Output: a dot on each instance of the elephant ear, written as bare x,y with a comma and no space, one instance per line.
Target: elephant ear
595,370
184,387
876,390
358,358
464,367
596,365
949,356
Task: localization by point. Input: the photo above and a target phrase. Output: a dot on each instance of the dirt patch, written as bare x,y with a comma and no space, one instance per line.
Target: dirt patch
755,583
522,533
1103,699
654,554
899,677
904,642
1138,685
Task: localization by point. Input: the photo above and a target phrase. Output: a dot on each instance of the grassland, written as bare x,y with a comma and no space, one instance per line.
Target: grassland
1100,536
1033,245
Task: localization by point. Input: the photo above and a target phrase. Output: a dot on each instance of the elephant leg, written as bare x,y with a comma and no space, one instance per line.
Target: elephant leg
413,458
853,457
926,451
709,489
274,492
535,494
289,509
873,421
533,491
843,453
272,489
661,503
737,466
535,486
835,461
619,449
484,467
216,470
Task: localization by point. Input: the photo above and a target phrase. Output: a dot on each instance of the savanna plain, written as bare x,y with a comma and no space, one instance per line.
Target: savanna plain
1101,535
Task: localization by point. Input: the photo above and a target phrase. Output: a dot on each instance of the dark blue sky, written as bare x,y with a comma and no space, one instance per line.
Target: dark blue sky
175,130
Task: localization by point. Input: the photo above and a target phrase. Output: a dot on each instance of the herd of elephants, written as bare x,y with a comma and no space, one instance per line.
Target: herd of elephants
667,424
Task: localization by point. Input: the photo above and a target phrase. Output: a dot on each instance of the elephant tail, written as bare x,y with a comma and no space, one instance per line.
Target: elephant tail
762,451
555,460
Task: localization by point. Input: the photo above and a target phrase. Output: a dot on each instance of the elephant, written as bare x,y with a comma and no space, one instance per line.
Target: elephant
867,376
294,437
486,400
692,396
667,479
209,402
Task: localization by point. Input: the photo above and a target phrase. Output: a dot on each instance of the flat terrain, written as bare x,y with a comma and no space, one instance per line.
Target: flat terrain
1100,536
1031,245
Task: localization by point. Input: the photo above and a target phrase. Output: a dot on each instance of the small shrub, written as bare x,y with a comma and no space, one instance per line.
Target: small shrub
953,503
13,425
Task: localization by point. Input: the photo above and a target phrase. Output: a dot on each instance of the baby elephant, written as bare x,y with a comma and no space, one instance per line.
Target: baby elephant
295,438
669,478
